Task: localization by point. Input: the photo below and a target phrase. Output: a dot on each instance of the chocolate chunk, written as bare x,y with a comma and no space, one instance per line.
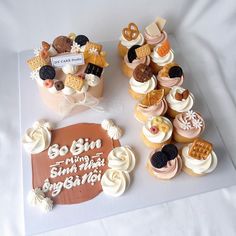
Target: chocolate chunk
171,151
175,71
159,159
47,72
62,44
59,85
94,69
132,53
142,73
81,40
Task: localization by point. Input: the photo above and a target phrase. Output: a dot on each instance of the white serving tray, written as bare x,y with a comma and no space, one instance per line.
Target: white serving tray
144,190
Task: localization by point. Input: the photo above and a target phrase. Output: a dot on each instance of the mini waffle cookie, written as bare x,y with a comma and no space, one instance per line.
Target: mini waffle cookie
142,73
36,62
160,23
131,32
93,47
152,97
143,51
164,72
200,149
164,48
74,82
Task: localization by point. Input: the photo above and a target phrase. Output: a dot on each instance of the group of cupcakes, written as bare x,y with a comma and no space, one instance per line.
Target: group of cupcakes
171,128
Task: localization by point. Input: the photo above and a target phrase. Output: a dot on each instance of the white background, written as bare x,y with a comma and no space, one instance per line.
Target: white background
206,33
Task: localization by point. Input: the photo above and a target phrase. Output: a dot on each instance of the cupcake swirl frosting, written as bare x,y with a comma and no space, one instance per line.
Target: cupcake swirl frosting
170,82
145,87
189,124
138,41
161,61
136,62
153,40
179,106
157,109
160,136
172,168
199,166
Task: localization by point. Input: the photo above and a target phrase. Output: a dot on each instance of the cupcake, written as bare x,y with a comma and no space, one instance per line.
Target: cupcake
179,100
198,158
130,36
165,164
169,76
67,87
131,61
188,126
142,82
153,104
154,33
157,131
162,55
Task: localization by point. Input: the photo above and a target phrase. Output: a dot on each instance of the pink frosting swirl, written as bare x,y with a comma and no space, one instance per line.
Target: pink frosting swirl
189,126
158,109
170,82
172,168
154,40
136,62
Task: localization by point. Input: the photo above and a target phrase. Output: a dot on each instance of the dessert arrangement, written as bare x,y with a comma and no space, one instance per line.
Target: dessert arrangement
165,109
69,73
74,164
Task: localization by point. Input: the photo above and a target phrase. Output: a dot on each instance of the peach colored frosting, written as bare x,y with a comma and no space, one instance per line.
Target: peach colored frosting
136,62
158,109
153,40
172,168
170,82
189,124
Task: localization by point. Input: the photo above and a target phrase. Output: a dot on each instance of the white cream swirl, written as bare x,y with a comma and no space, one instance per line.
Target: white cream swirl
115,182
37,138
114,132
161,61
92,80
70,69
138,41
121,158
199,166
179,106
107,124
160,136
35,196
145,87
46,204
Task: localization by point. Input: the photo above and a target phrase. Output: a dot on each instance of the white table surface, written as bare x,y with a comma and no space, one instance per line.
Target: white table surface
206,33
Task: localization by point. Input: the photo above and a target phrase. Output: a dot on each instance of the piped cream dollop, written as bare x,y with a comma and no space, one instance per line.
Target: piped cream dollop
37,138
115,182
121,158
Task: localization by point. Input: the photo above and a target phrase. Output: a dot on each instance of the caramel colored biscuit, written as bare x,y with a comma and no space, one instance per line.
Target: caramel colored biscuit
200,149
74,82
131,32
36,62
164,48
93,46
153,97
143,51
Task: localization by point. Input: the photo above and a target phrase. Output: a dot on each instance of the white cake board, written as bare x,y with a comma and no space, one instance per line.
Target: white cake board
145,190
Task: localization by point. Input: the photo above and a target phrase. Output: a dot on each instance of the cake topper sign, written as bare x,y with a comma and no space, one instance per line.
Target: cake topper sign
72,59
